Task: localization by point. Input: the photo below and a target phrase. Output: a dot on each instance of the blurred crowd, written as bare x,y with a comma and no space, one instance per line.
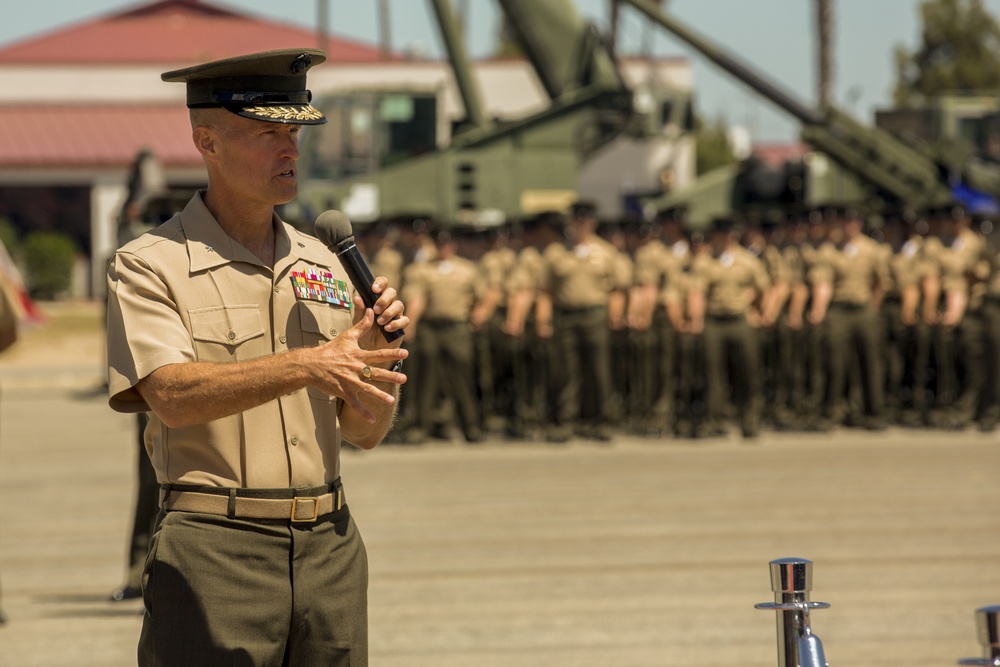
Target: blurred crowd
563,325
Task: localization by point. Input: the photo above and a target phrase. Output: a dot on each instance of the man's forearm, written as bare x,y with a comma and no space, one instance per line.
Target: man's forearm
199,392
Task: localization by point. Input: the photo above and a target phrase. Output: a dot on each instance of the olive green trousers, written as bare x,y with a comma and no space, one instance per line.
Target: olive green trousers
222,591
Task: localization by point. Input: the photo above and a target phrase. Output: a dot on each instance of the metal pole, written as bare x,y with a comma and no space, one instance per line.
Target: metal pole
824,26
384,30
791,581
988,629
322,26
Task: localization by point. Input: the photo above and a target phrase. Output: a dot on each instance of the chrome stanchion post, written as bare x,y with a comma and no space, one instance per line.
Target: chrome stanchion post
791,581
988,628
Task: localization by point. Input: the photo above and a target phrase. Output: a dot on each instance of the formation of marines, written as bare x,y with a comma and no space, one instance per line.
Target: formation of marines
561,326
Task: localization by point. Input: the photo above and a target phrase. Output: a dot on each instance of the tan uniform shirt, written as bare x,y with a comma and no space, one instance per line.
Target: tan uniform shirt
957,265
496,266
907,266
451,287
528,272
624,269
187,292
583,276
663,266
853,269
388,262
775,264
795,263
730,281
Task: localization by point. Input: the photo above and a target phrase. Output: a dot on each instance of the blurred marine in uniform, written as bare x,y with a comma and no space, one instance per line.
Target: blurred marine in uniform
443,294
655,313
728,286
906,337
528,324
850,279
580,282
953,308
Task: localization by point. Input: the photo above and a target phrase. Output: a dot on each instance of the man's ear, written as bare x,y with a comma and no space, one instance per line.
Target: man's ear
206,141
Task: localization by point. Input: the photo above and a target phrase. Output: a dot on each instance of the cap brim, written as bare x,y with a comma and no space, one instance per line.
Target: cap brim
295,114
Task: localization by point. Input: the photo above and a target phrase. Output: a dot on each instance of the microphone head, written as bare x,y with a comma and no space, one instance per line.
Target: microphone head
332,228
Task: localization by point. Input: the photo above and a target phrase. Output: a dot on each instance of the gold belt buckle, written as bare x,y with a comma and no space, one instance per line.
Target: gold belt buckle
315,514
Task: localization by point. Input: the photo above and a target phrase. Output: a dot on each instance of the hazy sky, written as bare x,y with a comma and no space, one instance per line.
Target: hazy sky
775,37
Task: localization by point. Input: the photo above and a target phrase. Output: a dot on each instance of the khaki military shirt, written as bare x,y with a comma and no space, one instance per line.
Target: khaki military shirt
663,266
388,262
958,265
907,266
775,264
496,266
187,292
730,280
853,269
450,288
528,272
795,264
624,270
583,276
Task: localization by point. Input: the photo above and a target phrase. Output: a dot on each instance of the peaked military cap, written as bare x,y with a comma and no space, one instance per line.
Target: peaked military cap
268,86
953,211
676,213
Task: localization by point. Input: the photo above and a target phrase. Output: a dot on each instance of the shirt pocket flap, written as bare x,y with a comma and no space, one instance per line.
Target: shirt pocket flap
226,325
323,321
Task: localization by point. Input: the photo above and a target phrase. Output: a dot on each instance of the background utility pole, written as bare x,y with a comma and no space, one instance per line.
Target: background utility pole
323,26
824,27
384,34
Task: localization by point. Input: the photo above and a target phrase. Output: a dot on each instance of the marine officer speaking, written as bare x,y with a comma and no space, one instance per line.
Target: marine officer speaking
256,359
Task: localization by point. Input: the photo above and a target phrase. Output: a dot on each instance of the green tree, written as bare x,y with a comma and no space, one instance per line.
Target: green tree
9,236
959,52
48,260
713,149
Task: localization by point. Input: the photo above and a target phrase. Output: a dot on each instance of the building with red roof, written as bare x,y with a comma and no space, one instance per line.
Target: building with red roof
81,101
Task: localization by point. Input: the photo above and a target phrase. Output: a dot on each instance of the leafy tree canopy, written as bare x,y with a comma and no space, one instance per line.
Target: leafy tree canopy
959,52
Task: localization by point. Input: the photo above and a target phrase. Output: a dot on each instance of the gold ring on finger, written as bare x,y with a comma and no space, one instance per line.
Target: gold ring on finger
366,372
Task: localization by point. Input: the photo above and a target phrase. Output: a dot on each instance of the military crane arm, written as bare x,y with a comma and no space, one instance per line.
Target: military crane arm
565,52
903,172
467,88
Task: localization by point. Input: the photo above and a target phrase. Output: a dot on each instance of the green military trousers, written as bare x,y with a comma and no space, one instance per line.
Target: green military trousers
854,339
731,351
222,591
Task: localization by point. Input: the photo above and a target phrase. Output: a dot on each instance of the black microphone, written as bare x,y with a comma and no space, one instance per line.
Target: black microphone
334,229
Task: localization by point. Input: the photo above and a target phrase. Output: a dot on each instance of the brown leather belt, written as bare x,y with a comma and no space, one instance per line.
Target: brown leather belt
299,505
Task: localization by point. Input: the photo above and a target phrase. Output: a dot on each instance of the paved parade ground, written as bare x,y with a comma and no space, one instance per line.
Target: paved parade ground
634,553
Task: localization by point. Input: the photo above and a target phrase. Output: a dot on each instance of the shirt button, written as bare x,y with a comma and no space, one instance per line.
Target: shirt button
282,338
295,440
232,335
333,332
276,290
